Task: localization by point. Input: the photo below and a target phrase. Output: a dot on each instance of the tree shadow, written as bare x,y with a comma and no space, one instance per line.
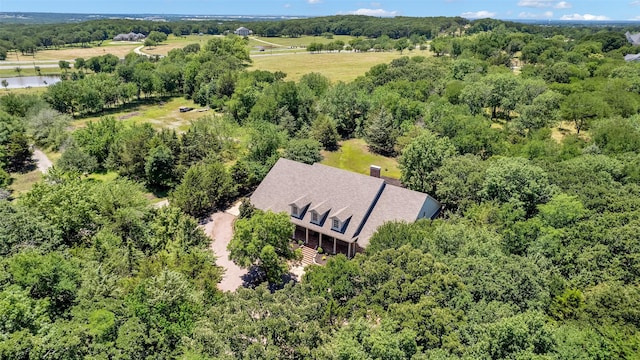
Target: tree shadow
254,277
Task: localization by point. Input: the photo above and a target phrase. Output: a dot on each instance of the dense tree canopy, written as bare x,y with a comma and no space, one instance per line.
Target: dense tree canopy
528,135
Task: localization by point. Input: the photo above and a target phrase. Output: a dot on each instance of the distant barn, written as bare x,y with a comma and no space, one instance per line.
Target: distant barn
243,31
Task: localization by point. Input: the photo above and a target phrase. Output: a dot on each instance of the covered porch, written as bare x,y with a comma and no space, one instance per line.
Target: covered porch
329,244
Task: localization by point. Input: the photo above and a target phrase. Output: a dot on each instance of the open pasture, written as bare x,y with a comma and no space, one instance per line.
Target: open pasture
343,66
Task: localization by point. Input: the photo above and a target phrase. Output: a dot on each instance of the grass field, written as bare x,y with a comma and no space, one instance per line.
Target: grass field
344,66
302,41
28,91
161,114
23,182
354,155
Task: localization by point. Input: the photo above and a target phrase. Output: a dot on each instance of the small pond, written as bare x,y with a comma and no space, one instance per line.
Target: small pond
22,82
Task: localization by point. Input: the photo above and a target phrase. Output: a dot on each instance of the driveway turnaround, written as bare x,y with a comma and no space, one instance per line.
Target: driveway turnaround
220,229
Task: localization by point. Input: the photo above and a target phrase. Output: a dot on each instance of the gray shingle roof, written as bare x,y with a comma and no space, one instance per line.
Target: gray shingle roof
632,57
364,202
634,39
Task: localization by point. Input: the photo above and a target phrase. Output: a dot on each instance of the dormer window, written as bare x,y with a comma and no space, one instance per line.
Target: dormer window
314,217
294,210
335,224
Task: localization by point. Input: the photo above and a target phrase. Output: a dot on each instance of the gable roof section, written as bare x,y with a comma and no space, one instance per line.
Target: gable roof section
398,204
365,201
338,191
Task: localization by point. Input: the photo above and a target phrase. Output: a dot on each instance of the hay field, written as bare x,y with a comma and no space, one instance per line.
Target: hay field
343,66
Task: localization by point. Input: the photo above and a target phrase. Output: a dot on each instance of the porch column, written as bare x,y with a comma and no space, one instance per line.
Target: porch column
306,235
334,245
320,241
349,250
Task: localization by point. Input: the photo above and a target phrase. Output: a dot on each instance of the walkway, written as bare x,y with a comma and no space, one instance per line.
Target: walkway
220,229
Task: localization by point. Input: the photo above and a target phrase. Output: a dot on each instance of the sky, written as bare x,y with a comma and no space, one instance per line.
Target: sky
472,9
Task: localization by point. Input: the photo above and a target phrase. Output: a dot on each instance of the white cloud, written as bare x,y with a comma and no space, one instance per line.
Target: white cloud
376,5
563,5
478,14
286,6
535,3
528,15
539,4
587,17
314,1
374,12
635,3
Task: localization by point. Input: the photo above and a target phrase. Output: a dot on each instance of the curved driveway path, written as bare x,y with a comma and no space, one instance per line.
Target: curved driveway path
42,160
220,229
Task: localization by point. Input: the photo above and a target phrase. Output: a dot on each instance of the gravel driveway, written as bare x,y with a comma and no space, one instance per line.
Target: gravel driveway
220,229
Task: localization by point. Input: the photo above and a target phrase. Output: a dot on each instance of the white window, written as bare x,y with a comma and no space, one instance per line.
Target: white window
336,224
314,216
294,210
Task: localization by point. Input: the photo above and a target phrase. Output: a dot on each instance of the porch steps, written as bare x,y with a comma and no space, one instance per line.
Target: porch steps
308,254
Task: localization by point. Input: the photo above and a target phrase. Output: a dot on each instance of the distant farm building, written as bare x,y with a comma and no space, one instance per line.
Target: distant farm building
129,37
243,31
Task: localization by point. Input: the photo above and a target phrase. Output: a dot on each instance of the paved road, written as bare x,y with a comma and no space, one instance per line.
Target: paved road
220,229
42,161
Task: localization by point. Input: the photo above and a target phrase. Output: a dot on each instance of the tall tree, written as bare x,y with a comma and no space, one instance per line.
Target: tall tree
421,157
263,240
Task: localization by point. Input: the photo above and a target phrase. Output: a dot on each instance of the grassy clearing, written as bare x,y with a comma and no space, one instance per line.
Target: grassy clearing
163,114
119,50
302,41
354,155
26,91
29,70
23,182
344,66
564,129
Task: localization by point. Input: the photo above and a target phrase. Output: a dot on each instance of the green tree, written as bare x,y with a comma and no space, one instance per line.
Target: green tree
263,240
205,187
421,157
380,133
159,167
583,108
516,181
303,150
324,130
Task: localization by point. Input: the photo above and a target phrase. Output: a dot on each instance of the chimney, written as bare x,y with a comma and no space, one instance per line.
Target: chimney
374,171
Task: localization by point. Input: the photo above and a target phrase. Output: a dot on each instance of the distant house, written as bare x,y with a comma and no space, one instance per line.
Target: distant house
632,57
129,37
634,39
336,209
243,31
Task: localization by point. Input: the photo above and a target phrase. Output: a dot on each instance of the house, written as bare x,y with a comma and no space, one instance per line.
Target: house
243,31
632,57
336,209
634,39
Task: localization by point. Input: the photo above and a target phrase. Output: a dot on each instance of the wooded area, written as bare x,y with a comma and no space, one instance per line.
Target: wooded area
529,136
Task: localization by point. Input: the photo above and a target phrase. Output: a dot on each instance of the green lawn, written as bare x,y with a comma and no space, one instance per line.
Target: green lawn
354,155
23,182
